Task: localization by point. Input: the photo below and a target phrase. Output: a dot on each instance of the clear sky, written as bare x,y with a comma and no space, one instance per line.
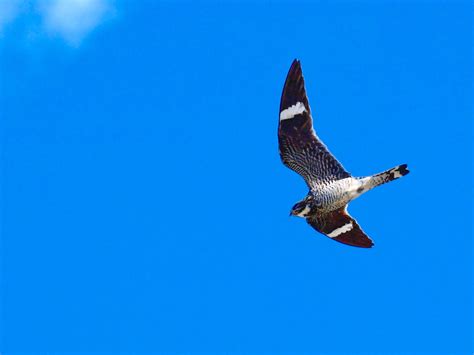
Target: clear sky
144,204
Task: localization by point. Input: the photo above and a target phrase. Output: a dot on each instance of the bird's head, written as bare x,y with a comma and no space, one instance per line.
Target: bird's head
302,208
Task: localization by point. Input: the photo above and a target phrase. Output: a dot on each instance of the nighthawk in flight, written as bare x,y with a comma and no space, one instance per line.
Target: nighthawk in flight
331,187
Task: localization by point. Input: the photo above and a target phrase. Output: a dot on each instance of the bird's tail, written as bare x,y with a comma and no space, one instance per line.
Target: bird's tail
368,183
388,175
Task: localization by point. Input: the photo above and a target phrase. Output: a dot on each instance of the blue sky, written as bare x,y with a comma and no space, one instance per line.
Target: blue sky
144,205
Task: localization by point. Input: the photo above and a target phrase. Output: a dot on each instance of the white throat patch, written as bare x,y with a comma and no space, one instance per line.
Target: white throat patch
292,111
305,212
338,231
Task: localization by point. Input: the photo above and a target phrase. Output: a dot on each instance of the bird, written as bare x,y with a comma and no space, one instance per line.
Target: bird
331,187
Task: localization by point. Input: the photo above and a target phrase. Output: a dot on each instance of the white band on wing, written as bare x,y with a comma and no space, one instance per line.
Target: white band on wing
292,111
338,231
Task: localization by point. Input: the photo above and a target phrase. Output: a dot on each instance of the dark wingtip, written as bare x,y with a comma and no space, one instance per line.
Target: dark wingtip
294,90
368,245
295,65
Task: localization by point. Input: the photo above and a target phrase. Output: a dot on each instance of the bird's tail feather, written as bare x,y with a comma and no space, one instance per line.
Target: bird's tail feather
389,175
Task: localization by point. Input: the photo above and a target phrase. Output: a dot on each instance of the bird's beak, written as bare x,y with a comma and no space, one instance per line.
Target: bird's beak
291,213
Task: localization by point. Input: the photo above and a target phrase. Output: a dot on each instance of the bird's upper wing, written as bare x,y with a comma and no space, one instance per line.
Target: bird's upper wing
340,226
300,148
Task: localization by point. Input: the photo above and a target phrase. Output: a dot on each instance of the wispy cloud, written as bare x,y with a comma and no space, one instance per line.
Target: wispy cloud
70,20
74,19
9,10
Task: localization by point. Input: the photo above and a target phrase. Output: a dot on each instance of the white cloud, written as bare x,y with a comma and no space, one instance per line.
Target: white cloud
74,19
9,9
70,20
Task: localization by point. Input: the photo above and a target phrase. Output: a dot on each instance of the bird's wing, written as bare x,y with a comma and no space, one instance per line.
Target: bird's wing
300,148
340,226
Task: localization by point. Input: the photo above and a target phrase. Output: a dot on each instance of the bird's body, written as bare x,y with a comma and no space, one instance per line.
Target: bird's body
331,187
336,194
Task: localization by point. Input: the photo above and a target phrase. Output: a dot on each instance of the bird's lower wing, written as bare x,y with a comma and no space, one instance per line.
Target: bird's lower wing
341,227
